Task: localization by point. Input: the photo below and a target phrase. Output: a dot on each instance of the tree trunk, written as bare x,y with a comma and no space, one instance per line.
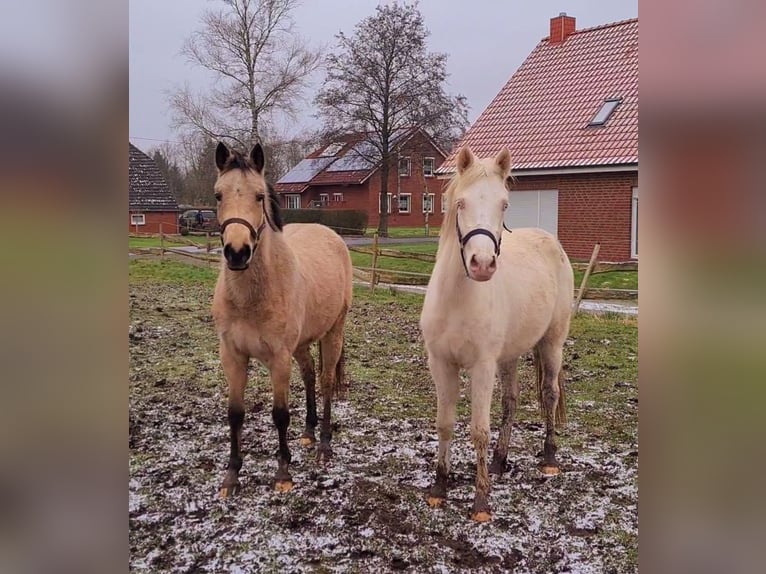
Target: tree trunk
383,199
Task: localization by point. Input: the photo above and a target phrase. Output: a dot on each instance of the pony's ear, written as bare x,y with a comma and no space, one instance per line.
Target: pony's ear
222,154
465,159
503,161
256,155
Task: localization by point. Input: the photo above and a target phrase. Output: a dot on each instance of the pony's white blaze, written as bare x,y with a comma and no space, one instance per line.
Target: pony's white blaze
485,326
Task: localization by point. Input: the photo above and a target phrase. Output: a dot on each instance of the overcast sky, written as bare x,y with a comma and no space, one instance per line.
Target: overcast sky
486,41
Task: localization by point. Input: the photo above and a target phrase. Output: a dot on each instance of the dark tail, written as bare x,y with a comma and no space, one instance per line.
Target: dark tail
560,417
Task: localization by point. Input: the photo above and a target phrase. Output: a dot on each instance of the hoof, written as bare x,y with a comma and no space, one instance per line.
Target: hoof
435,501
307,441
283,485
481,516
549,469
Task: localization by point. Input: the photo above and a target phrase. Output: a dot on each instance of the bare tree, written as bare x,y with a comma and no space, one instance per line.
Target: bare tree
382,81
261,66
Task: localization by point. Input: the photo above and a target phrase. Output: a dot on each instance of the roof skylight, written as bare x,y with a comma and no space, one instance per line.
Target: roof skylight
605,112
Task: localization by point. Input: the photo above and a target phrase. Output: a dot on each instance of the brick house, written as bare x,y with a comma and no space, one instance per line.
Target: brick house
569,116
150,202
338,175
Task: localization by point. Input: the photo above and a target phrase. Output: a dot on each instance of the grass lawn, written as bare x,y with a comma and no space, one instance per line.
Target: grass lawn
169,241
407,231
610,279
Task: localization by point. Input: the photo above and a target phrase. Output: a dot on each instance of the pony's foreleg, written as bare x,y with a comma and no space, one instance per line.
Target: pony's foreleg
308,373
509,379
482,382
550,357
330,348
235,370
445,376
280,414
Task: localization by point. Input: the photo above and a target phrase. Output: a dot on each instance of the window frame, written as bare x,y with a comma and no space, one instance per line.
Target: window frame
292,196
444,203
634,224
433,166
324,198
134,222
409,203
409,166
432,197
337,197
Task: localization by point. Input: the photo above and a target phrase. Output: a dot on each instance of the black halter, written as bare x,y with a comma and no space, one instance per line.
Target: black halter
463,240
254,233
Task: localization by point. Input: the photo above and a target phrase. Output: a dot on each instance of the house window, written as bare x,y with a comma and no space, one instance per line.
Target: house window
444,203
634,226
404,166
337,197
428,202
405,201
605,111
293,201
428,166
533,209
324,198
137,219
381,202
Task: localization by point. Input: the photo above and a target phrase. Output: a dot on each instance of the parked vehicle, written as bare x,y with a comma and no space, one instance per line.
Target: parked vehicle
198,220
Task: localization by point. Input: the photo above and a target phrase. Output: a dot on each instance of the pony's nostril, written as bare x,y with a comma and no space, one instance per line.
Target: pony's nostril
493,263
236,257
473,262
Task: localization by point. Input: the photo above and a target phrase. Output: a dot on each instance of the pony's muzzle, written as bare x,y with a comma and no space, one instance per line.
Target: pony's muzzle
237,259
481,267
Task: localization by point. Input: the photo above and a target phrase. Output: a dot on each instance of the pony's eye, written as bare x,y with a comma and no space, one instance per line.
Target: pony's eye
505,205
460,204
260,197
218,196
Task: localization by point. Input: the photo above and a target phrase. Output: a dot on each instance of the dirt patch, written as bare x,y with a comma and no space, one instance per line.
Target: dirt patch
365,512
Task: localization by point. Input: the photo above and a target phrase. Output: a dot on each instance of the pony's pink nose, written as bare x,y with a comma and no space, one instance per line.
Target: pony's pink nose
482,267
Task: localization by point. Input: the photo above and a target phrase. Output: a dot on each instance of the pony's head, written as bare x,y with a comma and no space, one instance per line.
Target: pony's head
478,198
247,205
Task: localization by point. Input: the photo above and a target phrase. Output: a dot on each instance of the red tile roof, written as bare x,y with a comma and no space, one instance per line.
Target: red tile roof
542,112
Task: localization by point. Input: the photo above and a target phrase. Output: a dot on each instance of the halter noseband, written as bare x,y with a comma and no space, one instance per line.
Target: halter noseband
463,240
254,233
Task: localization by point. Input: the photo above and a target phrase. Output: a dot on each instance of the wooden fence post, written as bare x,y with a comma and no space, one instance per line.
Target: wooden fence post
373,275
586,275
162,243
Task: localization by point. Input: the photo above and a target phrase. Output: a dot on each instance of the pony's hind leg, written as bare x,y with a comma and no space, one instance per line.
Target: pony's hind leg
549,355
482,382
308,373
509,379
445,376
329,351
279,369
235,370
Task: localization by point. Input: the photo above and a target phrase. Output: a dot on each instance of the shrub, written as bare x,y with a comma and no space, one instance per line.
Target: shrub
343,221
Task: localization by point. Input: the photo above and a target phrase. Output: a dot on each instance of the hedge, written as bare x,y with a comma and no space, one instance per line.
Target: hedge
344,221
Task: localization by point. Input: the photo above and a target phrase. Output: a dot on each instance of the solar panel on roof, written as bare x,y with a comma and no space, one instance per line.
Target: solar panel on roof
355,159
306,170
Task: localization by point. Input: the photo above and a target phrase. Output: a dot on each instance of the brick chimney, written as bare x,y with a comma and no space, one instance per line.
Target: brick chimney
562,26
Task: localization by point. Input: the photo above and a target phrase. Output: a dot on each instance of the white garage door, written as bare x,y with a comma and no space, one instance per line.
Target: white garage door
534,209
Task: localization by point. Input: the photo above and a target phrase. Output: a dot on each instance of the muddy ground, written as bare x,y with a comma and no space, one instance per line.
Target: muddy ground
366,512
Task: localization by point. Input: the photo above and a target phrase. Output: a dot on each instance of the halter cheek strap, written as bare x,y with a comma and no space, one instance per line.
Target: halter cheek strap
463,240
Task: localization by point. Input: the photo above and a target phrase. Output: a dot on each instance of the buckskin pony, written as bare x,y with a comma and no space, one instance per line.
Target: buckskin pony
280,289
